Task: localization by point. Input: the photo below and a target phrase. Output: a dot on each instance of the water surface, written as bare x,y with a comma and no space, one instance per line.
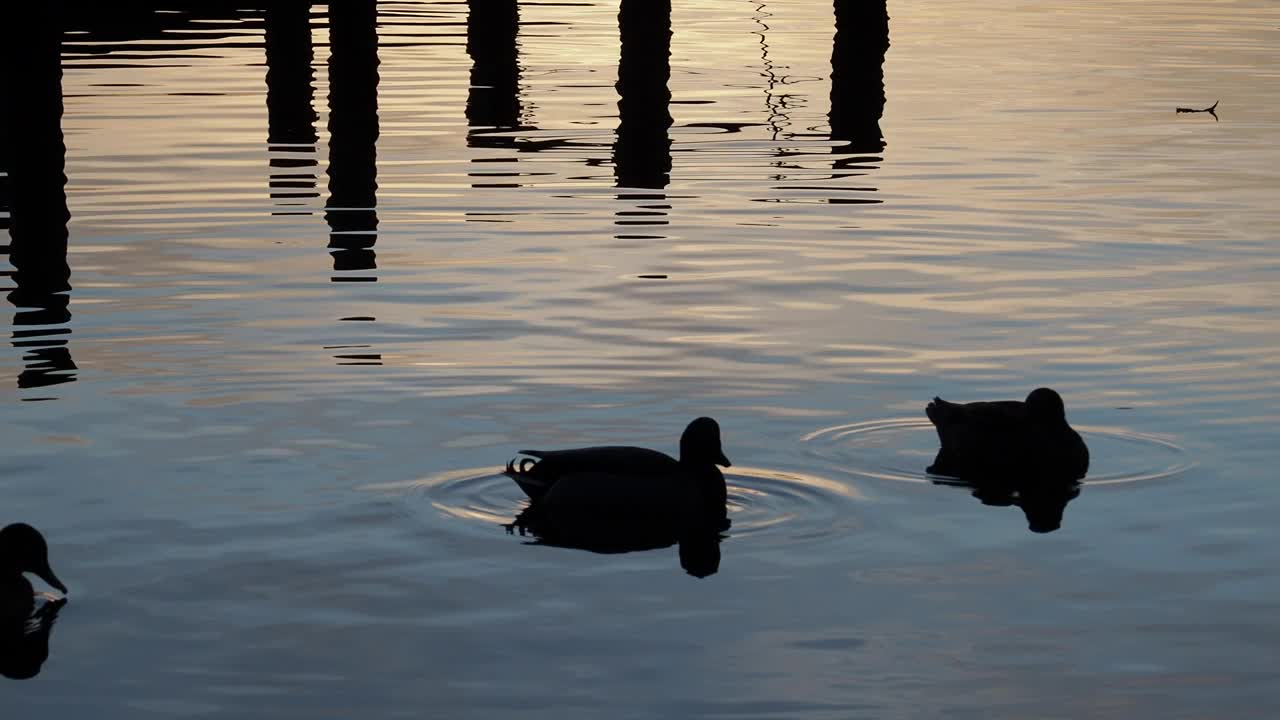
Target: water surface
317,273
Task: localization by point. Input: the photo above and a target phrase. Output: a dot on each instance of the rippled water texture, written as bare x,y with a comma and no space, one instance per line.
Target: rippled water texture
288,284
902,448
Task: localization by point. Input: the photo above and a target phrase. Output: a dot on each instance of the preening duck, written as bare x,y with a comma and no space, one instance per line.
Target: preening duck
1008,439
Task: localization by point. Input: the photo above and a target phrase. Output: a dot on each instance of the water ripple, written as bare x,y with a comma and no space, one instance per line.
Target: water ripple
788,506
784,506
899,449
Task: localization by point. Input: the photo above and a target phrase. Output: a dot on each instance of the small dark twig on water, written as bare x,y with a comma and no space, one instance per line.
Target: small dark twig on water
1211,110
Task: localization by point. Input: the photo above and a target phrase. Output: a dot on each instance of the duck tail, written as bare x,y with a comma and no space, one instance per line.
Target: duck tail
520,472
532,485
942,413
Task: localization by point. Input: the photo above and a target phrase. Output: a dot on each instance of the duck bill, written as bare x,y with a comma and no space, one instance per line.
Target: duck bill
46,574
723,461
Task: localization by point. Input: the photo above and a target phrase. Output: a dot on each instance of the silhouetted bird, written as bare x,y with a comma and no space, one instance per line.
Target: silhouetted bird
1008,441
699,450
22,550
619,498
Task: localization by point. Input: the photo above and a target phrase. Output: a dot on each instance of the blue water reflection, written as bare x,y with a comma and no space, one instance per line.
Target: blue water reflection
333,264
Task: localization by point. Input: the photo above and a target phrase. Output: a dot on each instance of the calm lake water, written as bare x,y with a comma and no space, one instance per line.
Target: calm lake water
329,270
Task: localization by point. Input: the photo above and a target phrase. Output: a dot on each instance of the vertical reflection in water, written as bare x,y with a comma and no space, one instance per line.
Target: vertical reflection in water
353,136
32,130
6,148
777,104
291,114
493,99
642,151
642,148
857,76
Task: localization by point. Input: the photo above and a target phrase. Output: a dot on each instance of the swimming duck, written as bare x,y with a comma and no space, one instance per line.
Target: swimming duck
621,498
699,452
22,550
1008,439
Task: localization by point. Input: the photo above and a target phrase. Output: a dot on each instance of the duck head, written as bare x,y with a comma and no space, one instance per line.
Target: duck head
700,443
23,550
1046,404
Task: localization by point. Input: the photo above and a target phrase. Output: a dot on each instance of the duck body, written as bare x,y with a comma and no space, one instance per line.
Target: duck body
17,600
535,479
622,513
24,628
1008,441
621,498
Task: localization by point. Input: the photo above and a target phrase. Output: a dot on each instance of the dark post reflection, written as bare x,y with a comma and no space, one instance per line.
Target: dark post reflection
353,136
857,75
493,100
6,152
291,114
35,160
642,151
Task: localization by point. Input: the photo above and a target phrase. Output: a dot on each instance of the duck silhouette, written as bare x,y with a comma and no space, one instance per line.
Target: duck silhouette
699,451
1008,441
24,630
613,499
22,550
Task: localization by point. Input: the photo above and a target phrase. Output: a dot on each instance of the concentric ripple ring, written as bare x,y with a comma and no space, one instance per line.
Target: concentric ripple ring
783,506
899,449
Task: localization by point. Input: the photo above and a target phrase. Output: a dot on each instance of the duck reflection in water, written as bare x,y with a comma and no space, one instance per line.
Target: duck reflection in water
1042,502
24,645
1012,452
615,499
24,628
